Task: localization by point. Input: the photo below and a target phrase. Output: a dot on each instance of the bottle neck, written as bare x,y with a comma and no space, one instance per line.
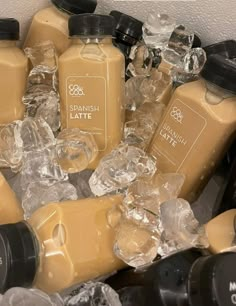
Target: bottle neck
60,11
102,40
216,94
7,43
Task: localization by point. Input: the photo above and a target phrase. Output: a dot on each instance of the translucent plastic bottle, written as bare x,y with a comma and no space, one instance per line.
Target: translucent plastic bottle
51,23
61,244
198,126
13,72
91,82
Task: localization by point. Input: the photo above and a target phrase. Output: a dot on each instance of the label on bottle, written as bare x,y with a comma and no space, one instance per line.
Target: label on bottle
86,106
177,136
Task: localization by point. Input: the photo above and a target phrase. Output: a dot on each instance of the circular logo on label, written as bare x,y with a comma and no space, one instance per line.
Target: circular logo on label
177,115
76,90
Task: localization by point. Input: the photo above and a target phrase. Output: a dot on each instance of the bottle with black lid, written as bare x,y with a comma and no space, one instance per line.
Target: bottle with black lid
93,70
13,72
226,48
51,23
187,278
203,116
60,245
128,32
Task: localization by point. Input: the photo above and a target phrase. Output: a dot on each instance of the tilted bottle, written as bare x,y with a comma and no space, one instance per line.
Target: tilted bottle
51,23
60,245
198,126
186,278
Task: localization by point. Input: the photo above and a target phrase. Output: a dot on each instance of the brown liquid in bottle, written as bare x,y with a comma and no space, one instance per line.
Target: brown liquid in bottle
10,208
194,134
49,24
76,242
13,73
91,78
221,232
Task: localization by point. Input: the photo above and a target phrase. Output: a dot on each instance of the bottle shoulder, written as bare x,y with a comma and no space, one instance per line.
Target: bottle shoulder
51,15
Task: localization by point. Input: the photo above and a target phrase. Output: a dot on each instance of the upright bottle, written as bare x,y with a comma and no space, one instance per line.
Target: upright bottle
91,82
51,23
198,126
221,232
61,244
184,279
13,72
128,31
10,207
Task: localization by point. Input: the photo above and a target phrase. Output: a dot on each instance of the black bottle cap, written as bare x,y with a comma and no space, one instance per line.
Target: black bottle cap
196,42
225,48
221,72
9,29
76,6
18,256
128,29
91,25
212,281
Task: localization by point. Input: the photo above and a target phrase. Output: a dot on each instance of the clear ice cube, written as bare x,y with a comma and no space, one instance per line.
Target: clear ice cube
135,245
180,228
144,197
180,43
36,135
194,61
120,168
41,166
41,97
38,194
11,146
29,297
157,30
141,61
181,40
92,294
44,55
75,150
133,96
141,129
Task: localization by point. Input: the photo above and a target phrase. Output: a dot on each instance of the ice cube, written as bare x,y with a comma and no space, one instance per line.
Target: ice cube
38,194
133,96
144,197
157,30
29,297
141,61
43,54
194,61
36,135
41,166
11,146
135,245
140,130
180,228
75,150
92,294
120,168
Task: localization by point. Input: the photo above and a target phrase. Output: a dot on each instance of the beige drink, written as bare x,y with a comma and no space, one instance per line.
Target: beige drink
10,208
13,72
91,78
52,23
221,232
65,243
198,126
